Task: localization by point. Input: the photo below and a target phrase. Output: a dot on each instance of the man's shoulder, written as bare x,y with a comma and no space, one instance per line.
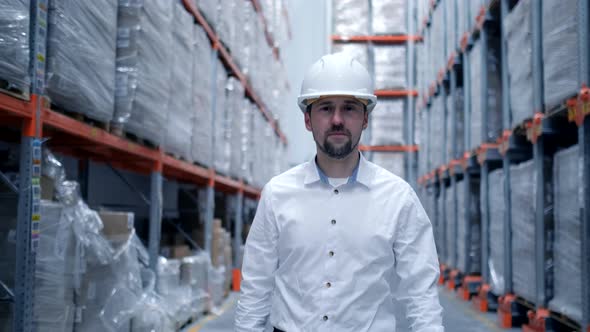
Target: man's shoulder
291,176
386,177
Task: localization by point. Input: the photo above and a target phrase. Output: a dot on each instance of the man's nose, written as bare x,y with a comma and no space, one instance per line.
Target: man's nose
337,116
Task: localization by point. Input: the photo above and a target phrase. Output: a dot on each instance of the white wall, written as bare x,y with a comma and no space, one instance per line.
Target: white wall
310,40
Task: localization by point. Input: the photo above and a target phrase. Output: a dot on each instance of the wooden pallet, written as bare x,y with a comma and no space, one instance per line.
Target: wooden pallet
119,132
84,118
7,89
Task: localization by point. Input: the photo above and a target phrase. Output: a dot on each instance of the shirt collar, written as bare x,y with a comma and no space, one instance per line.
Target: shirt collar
359,174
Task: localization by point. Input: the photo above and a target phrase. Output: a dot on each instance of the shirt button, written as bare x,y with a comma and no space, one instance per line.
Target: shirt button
325,318
336,191
331,253
328,285
333,221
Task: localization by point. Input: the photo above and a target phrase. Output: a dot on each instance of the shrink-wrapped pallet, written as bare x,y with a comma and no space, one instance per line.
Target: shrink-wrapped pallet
390,67
179,125
567,298
451,24
350,17
391,161
387,123
389,17
450,227
210,10
220,149
497,244
519,46
81,54
154,72
436,130
522,196
14,45
468,228
561,50
493,95
202,136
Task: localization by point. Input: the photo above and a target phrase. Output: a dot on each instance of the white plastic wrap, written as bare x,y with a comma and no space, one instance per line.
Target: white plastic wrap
350,17
179,126
220,149
522,198
390,67
496,229
437,39
242,141
150,312
245,42
128,31
210,10
475,7
519,46
229,21
460,120
177,297
150,109
81,53
234,94
54,272
561,55
216,282
389,17
359,51
567,297
14,44
391,161
449,128
451,24
461,228
202,136
194,271
493,97
450,226
462,11
436,130
387,123
468,245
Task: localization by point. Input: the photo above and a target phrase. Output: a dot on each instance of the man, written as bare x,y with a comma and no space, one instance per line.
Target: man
334,238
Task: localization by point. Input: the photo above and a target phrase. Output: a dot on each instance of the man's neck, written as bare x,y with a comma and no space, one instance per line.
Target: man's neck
338,168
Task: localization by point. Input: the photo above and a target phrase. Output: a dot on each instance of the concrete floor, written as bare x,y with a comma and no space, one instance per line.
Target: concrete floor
458,316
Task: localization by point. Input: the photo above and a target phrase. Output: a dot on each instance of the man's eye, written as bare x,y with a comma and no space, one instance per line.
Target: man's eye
325,109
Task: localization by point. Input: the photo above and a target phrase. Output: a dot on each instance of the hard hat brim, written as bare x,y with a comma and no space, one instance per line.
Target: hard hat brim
370,100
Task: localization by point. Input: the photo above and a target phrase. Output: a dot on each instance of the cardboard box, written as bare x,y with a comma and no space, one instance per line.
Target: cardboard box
116,225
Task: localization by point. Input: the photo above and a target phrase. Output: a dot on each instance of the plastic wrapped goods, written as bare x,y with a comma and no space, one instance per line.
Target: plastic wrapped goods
450,227
390,67
128,31
177,297
202,136
216,283
234,94
194,271
81,53
475,7
210,10
468,230
519,45
359,51
460,122
245,37
391,161
436,130
437,40
387,123
523,229
451,23
150,108
389,17
229,21
493,95
242,140
496,229
561,54
567,298
350,17
179,126
14,45
462,25
54,272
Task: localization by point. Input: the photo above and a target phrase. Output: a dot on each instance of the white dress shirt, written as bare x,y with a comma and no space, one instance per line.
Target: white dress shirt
325,258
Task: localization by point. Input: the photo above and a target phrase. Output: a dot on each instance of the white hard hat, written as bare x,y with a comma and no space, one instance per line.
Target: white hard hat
337,74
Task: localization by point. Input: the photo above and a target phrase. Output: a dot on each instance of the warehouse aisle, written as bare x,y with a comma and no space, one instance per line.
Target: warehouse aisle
458,316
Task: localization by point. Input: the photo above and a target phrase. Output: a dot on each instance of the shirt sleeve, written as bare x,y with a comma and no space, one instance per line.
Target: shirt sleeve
418,268
258,268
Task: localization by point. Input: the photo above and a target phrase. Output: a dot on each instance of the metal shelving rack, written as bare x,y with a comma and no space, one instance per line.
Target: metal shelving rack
534,139
410,149
81,140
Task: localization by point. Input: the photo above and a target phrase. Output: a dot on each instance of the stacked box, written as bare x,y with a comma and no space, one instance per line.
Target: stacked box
389,17
391,161
561,51
387,123
128,33
350,17
493,95
450,227
390,67
150,108
202,136
522,196
81,53
567,298
54,273
497,243
14,45
179,126
519,45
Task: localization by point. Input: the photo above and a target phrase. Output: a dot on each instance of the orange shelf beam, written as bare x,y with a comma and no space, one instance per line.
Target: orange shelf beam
397,39
396,93
12,106
389,148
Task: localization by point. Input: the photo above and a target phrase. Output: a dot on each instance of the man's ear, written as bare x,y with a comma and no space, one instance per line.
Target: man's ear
307,116
366,120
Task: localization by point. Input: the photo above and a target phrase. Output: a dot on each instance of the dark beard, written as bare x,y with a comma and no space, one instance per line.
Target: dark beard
334,152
